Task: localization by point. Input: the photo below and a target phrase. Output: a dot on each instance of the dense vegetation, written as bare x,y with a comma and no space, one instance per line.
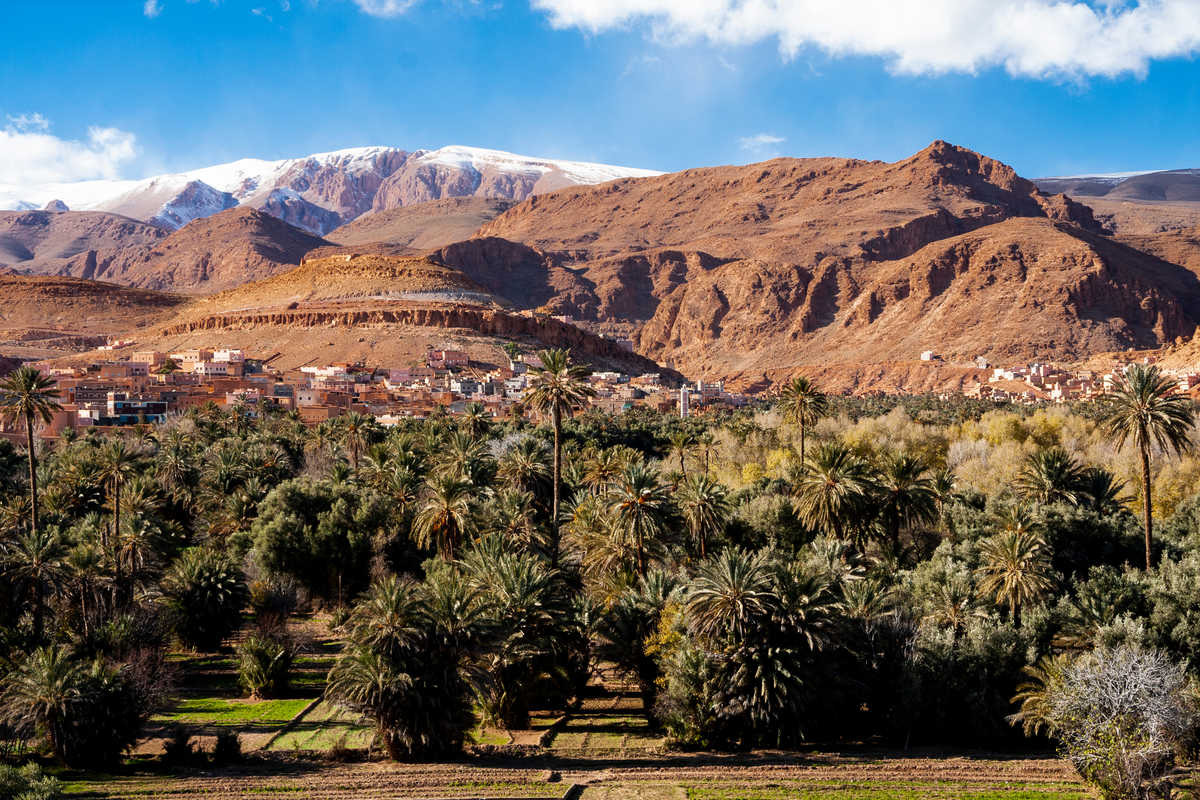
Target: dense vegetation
901,581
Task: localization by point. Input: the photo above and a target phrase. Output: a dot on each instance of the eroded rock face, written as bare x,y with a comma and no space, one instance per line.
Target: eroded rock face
754,272
329,185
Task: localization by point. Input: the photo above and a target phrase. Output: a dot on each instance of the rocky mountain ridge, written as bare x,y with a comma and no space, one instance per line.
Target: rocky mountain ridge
323,191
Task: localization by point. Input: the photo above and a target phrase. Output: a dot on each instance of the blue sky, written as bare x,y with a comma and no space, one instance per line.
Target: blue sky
648,83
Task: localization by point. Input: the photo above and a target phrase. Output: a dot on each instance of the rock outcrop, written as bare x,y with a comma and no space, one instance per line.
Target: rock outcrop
754,273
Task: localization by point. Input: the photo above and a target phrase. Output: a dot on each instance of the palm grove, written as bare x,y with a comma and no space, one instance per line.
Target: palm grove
902,571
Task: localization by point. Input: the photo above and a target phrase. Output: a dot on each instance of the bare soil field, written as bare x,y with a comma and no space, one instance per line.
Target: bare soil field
754,776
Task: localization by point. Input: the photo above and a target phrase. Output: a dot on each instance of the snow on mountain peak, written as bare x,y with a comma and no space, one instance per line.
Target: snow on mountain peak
333,186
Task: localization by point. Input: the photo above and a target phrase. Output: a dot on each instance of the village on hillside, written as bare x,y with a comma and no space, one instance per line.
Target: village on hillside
146,386
149,385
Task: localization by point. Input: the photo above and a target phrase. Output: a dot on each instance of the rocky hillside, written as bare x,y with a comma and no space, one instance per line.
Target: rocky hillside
1176,185
43,316
424,226
41,241
383,309
207,255
754,273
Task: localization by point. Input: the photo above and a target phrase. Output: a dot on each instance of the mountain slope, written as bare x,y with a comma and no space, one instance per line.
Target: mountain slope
323,191
424,226
207,255
387,310
38,240
754,273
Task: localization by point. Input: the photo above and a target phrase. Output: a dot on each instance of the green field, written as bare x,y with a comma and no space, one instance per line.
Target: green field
232,713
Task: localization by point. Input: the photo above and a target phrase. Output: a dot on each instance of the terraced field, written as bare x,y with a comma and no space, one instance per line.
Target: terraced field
603,749
764,776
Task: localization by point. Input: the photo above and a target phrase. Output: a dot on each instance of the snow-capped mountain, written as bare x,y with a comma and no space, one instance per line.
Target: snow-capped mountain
321,191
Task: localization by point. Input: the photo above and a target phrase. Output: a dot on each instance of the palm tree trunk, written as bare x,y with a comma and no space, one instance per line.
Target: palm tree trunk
33,497
116,543
641,550
1147,518
556,423
802,442
38,610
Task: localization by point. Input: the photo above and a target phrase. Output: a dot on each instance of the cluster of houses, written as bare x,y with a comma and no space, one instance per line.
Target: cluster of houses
1041,383
150,385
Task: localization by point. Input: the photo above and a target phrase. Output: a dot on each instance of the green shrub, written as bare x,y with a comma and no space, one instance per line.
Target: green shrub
27,783
263,665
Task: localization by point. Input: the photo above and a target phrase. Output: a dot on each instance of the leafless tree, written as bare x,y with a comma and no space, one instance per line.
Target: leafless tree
1124,717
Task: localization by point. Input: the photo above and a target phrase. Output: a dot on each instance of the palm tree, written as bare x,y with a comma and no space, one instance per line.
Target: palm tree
466,457
802,404
953,605
476,420
444,516
1104,492
1147,409
681,444
356,428
118,463
641,502
604,466
1051,475
523,467
40,693
28,395
833,488
730,594
705,507
1016,569
35,561
1036,694
558,387
907,495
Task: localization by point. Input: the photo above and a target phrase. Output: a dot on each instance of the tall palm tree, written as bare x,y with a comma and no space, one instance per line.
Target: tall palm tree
641,502
705,507
1050,475
558,388
802,404
28,395
444,516
118,463
1147,409
356,428
1015,569
907,495
833,489
35,561
681,443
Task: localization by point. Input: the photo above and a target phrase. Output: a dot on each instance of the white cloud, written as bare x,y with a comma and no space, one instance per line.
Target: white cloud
761,146
759,141
25,123
152,9
30,154
385,8
1031,38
